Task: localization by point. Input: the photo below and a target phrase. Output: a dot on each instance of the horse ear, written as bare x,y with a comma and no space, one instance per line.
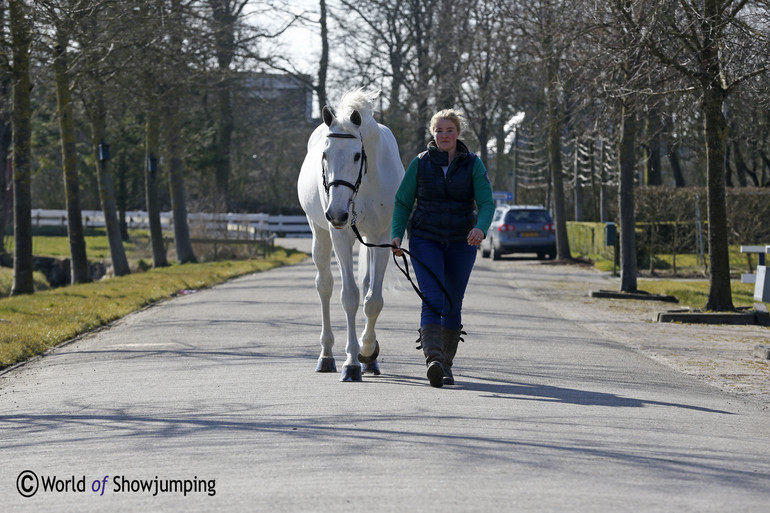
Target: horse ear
328,115
356,118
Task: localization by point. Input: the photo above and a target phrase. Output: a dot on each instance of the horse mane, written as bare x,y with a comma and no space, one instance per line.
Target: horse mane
359,99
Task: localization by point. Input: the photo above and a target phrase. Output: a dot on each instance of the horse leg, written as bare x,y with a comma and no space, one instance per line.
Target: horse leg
350,297
369,363
373,303
324,283
363,257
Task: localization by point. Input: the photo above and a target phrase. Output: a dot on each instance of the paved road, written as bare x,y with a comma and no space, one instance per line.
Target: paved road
218,388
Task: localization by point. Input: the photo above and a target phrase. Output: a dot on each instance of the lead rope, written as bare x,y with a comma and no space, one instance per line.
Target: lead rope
405,269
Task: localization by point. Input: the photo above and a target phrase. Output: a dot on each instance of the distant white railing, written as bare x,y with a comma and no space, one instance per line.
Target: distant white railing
760,279
246,225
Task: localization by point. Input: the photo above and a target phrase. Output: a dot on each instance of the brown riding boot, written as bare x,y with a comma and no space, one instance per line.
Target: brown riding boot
433,349
450,338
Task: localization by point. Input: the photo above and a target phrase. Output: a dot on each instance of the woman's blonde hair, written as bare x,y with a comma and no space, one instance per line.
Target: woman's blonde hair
452,115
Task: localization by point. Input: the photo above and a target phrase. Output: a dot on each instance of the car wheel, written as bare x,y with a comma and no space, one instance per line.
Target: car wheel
495,253
484,252
540,256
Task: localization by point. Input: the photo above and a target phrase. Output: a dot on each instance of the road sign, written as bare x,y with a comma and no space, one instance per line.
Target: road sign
502,196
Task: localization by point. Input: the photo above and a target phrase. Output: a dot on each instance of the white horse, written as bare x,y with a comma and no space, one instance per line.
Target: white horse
349,177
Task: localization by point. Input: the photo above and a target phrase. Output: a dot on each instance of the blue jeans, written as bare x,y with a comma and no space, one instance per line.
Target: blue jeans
452,264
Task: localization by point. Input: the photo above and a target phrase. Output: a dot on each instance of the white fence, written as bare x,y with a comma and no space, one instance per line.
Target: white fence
246,224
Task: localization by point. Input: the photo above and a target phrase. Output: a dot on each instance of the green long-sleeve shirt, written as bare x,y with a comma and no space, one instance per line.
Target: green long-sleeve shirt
407,192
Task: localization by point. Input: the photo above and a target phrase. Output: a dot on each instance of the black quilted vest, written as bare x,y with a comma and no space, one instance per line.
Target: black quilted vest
446,208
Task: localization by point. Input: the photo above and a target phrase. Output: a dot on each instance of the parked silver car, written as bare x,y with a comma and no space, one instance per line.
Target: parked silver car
520,229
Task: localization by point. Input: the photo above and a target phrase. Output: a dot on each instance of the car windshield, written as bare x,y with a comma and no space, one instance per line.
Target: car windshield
527,216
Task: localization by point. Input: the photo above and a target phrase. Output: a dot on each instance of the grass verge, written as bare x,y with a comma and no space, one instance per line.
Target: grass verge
32,324
695,293
692,292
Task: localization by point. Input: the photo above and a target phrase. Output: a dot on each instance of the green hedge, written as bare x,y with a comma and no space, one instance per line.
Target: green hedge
588,239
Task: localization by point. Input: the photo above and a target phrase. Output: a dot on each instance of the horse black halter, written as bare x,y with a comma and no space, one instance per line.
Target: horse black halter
361,170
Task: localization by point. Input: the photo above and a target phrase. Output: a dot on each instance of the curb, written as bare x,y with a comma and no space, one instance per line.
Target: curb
640,295
733,318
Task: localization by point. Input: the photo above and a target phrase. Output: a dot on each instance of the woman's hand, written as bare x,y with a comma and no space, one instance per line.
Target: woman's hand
475,237
396,243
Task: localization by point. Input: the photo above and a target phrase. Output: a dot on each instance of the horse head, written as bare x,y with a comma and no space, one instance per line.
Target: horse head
343,165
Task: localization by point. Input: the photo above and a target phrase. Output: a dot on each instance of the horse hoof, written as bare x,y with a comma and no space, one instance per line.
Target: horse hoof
326,364
372,357
371,368
351,373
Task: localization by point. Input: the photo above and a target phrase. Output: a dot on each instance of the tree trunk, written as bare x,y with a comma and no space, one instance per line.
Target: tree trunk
741,169
715,131
445,59
483,138
676,166
106,187
224,18
715,128
224,129
184,250
502,168
80,271
654,174
578,187
554,158
603,194
21,118
121,197
628,268
5,152
6,139
151,154
323,63
423,73
672,153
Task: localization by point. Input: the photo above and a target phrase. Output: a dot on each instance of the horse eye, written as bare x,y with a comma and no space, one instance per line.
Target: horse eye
357,157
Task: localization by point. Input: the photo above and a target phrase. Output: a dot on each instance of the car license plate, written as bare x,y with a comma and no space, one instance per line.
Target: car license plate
530,234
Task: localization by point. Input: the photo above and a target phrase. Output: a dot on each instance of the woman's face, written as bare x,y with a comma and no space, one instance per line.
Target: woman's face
445,133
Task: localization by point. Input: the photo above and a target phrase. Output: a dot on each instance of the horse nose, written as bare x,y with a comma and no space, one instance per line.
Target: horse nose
337,221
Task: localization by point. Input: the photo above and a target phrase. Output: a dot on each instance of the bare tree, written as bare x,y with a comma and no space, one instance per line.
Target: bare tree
5,119
184,250
152,90
422,23
323,62
95,29
21,117
80,271
690,38
627,165
224,20
59,19
152,150
551,28
487,91
382,53
748,137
